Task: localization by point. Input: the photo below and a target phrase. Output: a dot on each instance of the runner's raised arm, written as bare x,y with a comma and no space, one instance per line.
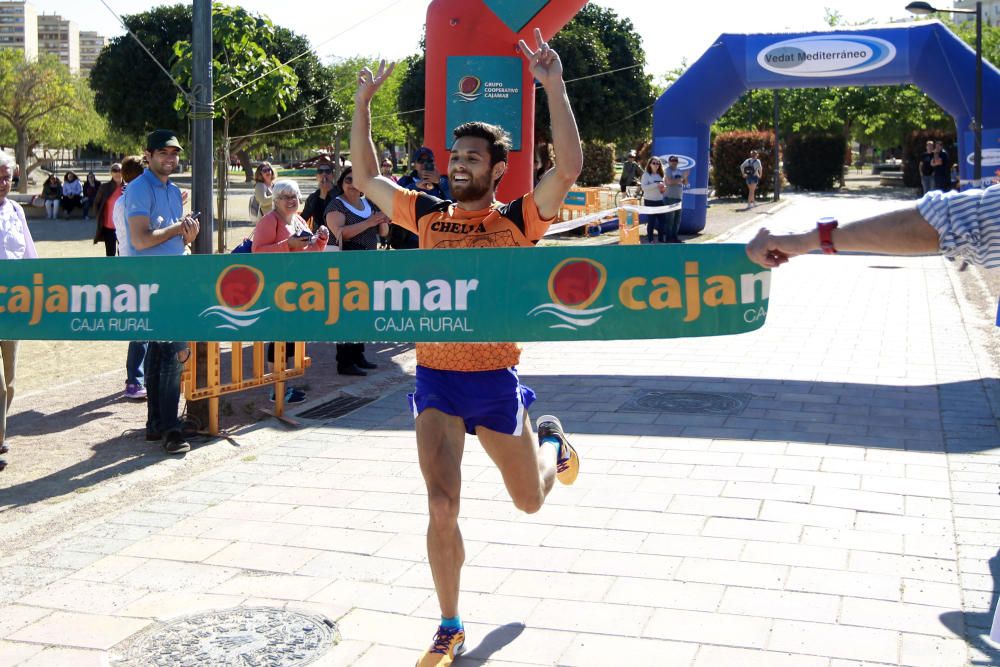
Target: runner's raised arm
364,159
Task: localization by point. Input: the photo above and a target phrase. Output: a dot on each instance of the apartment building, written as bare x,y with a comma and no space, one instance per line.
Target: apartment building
19,27
91,45
60,37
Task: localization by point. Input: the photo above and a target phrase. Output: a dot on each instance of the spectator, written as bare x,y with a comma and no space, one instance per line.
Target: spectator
543,161
90,187
631,173
424,176
104,206
263,178
942,167
358,223
52,194
135,377
284,230
72,193
961,225
675,180
653,189
15,243
386,170
157,226
927,168
317,202
751,168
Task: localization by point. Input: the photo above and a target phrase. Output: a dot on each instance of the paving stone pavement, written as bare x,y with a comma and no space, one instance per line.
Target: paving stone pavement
844,513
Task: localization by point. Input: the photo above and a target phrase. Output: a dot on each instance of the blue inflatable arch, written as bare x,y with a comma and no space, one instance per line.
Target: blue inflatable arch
925,54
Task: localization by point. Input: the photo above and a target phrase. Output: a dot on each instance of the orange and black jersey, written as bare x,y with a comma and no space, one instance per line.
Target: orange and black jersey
441,224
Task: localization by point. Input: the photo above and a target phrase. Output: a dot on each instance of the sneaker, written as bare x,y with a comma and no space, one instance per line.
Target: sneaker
176,443
567,460
448,643
292,395
136,392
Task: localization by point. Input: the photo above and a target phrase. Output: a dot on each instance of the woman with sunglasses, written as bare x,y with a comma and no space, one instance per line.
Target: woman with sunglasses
358,223
284,230
653,189
263,180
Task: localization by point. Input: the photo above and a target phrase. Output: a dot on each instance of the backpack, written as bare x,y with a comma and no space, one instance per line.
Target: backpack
254,207
749,170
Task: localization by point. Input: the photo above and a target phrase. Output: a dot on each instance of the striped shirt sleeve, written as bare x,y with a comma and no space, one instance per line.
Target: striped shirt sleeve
967,222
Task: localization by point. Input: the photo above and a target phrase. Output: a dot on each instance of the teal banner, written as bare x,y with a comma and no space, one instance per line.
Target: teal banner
487,89
501,294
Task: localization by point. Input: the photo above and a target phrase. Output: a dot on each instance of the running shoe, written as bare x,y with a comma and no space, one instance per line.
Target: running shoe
567,460
292,395
448,643
136,392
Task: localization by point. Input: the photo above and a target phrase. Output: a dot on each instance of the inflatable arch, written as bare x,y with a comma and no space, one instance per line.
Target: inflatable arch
925,54
475,72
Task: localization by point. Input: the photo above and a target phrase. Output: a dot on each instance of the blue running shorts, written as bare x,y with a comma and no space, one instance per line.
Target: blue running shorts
492,399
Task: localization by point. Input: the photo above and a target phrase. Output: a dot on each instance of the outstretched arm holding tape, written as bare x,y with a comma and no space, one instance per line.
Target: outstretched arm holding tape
959,224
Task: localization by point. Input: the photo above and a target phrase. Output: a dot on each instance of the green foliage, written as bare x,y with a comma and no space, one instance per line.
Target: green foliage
814,161
387,126
914,149
614,107
43,104
598,164
248,79
411,96
966,31
130,90
729,150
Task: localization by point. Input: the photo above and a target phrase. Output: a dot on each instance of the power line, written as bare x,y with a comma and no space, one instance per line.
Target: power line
186,94
316,127
307,51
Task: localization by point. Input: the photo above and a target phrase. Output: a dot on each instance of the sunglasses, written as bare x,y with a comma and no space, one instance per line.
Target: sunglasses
268,169
116,171
349,179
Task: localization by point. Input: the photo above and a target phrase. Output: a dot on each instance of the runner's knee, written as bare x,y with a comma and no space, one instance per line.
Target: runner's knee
443,507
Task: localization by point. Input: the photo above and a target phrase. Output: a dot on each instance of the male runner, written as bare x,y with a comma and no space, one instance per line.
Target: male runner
473,387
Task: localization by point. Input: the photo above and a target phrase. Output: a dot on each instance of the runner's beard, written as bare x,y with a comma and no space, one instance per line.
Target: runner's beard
475,189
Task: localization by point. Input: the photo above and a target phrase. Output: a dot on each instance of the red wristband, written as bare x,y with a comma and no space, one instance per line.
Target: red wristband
825,226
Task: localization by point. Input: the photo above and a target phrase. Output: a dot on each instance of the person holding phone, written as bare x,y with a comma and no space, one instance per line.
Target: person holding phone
157,226
284,230
358,223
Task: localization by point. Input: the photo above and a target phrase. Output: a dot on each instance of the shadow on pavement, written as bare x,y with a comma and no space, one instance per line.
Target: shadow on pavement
497,639
973,627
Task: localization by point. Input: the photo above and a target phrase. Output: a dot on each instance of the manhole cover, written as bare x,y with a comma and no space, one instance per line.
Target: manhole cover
688,402
242,637
338,407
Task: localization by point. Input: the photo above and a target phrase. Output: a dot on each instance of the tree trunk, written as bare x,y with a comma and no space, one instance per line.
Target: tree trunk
21,155
244,159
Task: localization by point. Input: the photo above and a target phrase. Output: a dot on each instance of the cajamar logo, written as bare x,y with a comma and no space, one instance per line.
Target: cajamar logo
574,285
469,88
237,289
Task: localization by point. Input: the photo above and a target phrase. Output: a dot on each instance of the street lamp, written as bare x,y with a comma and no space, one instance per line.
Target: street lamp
925,8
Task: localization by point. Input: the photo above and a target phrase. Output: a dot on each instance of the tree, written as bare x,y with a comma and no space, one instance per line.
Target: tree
131,91
604,61
42,103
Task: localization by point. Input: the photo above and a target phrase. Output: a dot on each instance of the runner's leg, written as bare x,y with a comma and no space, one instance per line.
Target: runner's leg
528,470
440,445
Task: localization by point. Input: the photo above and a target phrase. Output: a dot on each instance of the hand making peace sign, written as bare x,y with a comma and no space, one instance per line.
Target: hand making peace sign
543,62
369,83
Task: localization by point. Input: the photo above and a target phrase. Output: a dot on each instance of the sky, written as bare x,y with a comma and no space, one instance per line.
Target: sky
671,31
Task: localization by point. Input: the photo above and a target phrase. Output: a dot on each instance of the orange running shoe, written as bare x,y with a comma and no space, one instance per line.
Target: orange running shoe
448,643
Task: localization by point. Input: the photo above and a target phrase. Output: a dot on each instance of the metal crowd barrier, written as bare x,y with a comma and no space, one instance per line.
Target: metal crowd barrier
238,380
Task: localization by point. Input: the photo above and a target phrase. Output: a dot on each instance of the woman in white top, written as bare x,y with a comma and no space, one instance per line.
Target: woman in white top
264,179
653,188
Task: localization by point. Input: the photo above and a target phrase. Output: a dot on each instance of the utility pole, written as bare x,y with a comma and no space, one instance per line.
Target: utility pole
202,112
777,145
202,115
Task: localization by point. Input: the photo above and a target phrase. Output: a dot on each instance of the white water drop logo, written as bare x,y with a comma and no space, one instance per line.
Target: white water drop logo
233,320
237,289
574,285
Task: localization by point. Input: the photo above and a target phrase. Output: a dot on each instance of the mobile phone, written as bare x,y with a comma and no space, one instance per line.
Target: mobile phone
194,216
304,234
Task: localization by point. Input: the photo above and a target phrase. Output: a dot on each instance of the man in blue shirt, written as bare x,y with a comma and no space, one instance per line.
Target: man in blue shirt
157,226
